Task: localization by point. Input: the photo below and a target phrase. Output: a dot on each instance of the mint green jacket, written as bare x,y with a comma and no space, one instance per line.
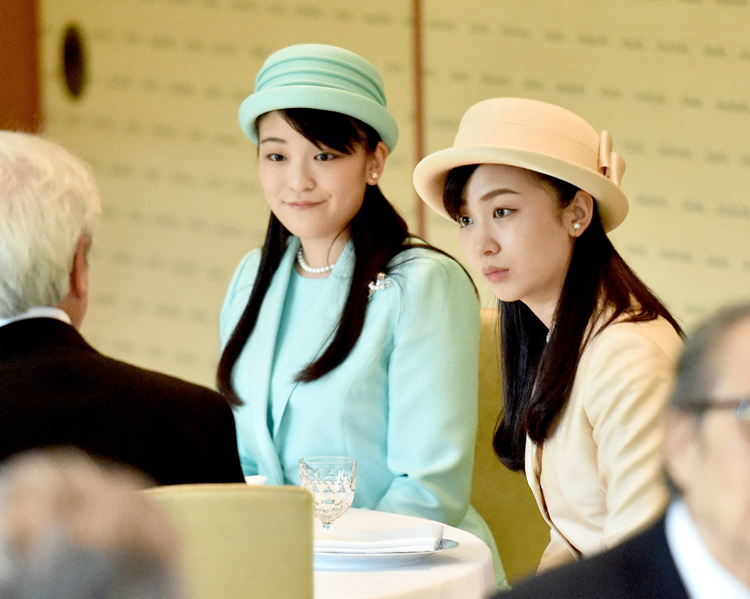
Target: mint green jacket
404,402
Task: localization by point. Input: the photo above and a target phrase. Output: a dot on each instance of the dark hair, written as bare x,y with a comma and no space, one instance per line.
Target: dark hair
538,375
378,234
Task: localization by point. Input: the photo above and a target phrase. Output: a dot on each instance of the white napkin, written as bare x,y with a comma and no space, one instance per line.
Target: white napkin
256,479
409,540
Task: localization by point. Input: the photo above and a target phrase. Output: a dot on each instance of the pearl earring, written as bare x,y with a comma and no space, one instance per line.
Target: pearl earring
374,177
576,226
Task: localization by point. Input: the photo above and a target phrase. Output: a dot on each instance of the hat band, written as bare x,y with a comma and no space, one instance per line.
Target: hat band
519,136
528,138
320,78
320,68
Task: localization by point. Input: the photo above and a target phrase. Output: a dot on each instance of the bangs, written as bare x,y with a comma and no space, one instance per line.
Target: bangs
333,130
454,189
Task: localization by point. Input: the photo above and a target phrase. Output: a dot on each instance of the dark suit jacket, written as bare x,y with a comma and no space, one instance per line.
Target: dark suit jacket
640,568
55,389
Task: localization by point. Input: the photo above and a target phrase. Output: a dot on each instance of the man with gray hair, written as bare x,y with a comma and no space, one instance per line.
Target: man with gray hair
72,527
55,389
701,548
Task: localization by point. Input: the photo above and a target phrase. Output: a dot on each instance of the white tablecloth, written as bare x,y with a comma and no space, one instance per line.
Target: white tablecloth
464,571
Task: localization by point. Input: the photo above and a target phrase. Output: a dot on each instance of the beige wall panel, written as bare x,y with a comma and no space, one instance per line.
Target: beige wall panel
158,124
669,78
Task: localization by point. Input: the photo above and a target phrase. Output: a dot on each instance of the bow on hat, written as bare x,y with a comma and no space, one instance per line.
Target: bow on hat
611,164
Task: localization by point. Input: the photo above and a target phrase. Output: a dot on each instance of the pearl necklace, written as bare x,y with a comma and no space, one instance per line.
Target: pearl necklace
307,268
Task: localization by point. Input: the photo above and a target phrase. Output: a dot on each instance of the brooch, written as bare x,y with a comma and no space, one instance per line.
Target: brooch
380,282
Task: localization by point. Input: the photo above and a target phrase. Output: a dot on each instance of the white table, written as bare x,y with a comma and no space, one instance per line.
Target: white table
464,571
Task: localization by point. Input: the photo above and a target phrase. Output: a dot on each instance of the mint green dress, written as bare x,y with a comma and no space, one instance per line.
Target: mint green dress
404,402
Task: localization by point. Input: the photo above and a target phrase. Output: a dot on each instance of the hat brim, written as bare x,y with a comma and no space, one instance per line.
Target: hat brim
431,173
320,98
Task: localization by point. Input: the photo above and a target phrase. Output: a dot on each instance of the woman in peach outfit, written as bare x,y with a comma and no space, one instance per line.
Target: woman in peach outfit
587,349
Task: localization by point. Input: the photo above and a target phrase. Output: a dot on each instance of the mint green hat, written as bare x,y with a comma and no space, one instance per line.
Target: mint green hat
322,77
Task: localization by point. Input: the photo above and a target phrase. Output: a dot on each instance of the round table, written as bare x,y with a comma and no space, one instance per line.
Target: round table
464,571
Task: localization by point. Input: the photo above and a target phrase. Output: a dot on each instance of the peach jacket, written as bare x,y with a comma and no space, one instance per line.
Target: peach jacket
598,478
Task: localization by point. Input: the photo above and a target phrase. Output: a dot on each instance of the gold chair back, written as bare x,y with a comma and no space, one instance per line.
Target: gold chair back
242,541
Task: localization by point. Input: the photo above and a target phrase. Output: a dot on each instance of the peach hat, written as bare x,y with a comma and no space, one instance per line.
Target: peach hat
536,136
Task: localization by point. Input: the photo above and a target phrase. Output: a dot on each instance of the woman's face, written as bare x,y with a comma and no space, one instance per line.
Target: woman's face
514,232
314,193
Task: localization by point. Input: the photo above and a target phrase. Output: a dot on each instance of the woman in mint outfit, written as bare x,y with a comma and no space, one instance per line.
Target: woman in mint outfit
343,334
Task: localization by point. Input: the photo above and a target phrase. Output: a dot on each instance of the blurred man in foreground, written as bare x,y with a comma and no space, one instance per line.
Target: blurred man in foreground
701,548
74,529
55,389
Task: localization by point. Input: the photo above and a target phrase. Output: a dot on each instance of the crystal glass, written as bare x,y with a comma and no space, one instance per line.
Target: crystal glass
331,480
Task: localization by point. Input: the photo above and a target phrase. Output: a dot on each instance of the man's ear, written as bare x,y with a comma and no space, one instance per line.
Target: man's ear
681,446
79,271
76,302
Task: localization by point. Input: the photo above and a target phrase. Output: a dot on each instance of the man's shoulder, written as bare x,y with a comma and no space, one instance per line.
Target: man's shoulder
56,354
146,381
639,568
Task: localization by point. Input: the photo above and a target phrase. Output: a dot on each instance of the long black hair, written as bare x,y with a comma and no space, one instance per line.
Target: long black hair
378,234
538,374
